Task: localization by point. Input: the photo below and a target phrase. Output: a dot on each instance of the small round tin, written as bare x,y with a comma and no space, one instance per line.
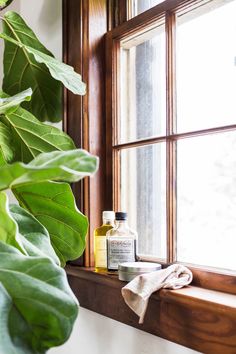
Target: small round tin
129,270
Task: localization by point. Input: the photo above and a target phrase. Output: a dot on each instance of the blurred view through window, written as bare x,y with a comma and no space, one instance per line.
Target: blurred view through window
203,138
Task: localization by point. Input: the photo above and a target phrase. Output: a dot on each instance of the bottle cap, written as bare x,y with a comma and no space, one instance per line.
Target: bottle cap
121,216
110,215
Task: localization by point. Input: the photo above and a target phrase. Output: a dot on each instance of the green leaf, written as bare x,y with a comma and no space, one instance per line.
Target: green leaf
33,235
8,227
54,206
37,306
31,137
23,49
60,71
21,70
4,3
69,166
9,104
6,150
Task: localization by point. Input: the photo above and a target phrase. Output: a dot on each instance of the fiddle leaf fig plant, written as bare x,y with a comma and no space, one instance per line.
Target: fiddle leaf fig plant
9,104
31,137
37,162
27,63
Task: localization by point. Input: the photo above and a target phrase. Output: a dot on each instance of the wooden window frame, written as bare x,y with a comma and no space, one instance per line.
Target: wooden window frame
88,119
134,26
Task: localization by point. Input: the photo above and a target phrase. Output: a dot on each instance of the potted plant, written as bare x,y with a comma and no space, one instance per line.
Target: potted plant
37,163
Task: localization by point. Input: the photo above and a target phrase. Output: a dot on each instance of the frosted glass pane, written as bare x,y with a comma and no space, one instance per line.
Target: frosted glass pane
143,88
143,196
206,207
206,69
140,6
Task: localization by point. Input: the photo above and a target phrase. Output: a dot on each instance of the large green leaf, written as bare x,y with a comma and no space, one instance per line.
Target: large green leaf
8,227
6,150
9,104
31,137
4,3
33,235
54,206
69,166
21,71
37,306
23,49
60,71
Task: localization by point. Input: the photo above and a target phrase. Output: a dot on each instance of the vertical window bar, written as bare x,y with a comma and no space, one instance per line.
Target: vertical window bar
171,129
130,9
115,124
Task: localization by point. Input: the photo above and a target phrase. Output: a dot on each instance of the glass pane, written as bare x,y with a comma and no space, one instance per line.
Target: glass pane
143,196
139,6
142,88
206,69
206,207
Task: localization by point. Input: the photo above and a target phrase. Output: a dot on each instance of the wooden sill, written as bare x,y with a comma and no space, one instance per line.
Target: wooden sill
201,319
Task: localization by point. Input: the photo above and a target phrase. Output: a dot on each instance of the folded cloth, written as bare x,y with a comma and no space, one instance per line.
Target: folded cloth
137,292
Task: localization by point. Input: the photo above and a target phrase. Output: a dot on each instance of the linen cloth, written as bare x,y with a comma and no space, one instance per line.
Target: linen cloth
138,291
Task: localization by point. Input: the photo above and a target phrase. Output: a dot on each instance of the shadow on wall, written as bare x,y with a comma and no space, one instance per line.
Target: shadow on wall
50,14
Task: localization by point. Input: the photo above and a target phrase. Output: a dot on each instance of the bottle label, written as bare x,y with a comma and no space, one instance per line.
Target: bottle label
119,251
100,252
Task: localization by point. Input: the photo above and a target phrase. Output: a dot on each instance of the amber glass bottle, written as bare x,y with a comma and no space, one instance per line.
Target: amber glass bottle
100,245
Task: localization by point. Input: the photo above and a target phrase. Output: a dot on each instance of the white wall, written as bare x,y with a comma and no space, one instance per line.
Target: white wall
93,333
96,334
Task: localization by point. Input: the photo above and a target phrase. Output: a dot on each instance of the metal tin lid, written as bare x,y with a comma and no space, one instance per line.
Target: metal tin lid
138,267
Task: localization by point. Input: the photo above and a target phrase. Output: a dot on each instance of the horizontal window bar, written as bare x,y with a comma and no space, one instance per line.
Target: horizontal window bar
174,137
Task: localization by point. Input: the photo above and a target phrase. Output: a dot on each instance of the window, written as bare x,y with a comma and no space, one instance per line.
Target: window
157,164
174,138
139,6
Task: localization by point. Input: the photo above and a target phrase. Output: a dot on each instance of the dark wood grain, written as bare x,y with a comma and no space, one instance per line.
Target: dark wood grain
85,23
117,13
200,319
150,17
214,279
73,104
109,123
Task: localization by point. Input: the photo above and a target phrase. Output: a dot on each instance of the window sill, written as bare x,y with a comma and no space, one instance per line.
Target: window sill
201,319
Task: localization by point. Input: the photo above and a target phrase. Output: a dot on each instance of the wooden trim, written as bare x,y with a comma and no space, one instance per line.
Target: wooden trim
171,145
65,60
84,49
129,9
83,46
73,104
200,319
122,11
141,142
116,119
151,16
175,137
109,123
214,279
134,27
117,13
202,132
